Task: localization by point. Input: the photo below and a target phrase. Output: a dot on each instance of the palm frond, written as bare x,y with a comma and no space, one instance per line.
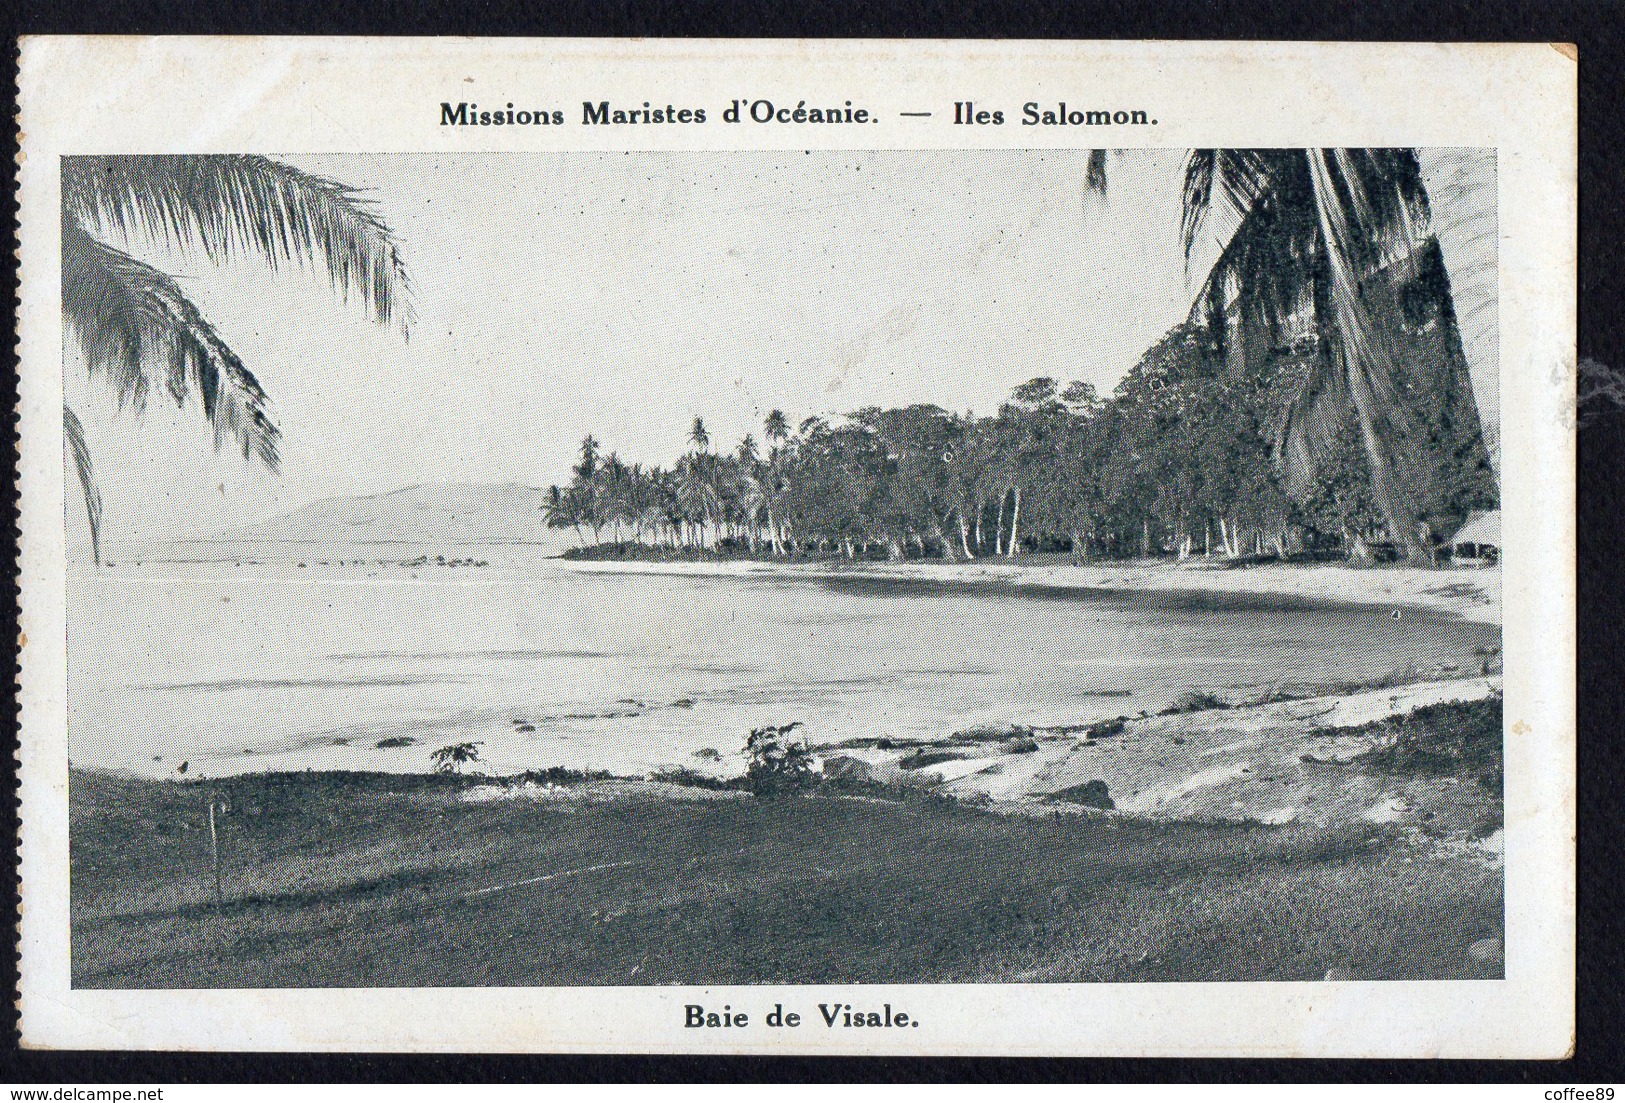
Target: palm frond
230,204
1095,172
1372,365
75,434
1261,274
1321,234
1244,179
130,318
1307,430
1363,344
1197,198
1383,188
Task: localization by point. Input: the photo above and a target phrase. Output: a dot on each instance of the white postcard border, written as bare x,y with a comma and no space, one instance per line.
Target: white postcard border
82,95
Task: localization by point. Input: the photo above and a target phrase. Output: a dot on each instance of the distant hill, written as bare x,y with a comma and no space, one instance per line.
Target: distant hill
445,513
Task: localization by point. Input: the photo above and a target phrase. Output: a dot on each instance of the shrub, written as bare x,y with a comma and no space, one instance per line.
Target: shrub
1453,738
778,764
451,758
682,775
1194,702
558,775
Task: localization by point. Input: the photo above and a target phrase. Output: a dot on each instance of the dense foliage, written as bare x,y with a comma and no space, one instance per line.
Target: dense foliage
1184,457
779,764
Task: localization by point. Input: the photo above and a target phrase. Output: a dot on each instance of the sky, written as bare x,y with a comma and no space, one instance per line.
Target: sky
623,294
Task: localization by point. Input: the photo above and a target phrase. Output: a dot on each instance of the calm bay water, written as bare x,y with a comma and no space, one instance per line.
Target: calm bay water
236,658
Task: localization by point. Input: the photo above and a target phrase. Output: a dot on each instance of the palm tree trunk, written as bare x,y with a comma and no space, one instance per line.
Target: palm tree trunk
1013,545
1461,186
1355,543
964,537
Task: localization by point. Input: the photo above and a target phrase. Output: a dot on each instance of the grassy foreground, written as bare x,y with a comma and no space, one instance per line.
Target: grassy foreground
372,880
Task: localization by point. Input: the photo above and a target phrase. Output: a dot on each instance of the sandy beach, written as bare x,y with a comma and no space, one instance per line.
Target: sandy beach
1282,762
1472,594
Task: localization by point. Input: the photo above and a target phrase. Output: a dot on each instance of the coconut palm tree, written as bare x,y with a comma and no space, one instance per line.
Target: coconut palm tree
697,492
1321,231
1360,205
744,476
587,466
133,323
563,510
776,428
639,499
587,489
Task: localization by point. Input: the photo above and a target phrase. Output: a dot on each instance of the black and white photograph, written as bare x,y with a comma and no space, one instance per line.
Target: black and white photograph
759,568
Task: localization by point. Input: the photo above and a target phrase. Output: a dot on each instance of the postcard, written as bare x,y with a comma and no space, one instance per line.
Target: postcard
797,547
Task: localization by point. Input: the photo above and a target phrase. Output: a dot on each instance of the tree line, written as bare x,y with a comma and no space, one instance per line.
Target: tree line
1185,457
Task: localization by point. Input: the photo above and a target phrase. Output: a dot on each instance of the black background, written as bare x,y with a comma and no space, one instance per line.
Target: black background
1598,28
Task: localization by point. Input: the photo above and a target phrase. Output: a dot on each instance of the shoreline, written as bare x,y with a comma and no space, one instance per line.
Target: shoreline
1200,765
1471,594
